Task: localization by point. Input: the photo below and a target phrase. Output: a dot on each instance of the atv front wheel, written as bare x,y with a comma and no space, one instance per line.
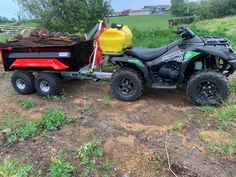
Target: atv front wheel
47,84
208,88
23,82
127,84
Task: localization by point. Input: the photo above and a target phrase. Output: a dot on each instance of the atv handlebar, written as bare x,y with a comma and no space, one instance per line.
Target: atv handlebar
185,32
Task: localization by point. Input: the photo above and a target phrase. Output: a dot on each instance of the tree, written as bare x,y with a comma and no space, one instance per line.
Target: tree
70,16
179,7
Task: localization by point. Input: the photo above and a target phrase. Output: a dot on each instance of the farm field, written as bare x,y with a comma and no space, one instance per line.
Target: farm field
144,22
87,132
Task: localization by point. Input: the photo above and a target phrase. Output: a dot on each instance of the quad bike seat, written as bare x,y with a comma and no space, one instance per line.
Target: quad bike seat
146,54
149,54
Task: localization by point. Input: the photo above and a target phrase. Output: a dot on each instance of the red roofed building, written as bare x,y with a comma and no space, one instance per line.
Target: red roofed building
125,12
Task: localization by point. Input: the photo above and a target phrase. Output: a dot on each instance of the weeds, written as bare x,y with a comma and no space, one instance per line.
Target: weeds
220,149
226,115
177,125
10,167
90,154
106,101
8,120
208,110
160,161
89,108
27,103
51,120
61,168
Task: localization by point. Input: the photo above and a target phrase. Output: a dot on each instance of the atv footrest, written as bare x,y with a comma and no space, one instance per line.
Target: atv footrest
164,85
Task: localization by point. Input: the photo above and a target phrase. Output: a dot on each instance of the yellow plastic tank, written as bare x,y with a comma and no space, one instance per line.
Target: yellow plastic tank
115,39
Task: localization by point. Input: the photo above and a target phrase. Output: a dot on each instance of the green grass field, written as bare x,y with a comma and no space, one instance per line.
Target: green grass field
144,22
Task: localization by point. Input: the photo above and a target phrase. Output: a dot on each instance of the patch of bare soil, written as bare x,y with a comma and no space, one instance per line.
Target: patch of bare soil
133,134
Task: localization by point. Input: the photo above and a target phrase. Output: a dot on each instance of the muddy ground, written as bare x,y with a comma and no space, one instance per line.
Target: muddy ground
133,134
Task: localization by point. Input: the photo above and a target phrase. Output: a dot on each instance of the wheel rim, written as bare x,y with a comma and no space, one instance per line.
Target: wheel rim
44,86
20,84
208,91
126,86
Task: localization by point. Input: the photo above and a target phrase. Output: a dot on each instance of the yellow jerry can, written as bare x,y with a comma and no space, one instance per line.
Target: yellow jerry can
114,40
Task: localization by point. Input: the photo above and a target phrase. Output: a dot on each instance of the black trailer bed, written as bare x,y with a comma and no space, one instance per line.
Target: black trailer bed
59,57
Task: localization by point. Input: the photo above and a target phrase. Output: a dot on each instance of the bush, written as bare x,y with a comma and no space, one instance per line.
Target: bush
180,21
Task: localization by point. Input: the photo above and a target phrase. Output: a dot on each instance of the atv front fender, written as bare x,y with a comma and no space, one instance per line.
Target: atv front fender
136,63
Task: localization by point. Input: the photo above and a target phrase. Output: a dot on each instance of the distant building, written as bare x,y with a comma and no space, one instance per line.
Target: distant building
139,12
146,10
125,12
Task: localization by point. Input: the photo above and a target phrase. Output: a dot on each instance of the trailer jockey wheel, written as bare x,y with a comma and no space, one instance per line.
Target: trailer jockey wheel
23,82
47,84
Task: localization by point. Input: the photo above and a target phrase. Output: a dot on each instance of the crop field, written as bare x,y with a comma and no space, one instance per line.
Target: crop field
86,132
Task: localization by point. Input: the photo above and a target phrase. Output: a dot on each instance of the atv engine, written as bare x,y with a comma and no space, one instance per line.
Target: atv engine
169,71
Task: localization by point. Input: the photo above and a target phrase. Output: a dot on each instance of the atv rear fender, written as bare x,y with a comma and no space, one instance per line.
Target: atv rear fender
135,63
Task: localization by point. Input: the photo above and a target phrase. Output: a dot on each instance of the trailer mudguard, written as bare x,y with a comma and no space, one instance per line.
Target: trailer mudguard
136,63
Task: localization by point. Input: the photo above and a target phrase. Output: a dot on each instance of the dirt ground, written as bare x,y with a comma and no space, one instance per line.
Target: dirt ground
133,134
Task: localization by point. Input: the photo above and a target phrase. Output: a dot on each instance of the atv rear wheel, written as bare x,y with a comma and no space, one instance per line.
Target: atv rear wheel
127,84
47,84
208,88
23,82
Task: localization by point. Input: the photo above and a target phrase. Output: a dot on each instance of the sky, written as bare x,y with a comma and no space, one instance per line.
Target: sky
9,8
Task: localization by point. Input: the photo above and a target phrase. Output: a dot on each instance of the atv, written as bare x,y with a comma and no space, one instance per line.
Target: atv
201,65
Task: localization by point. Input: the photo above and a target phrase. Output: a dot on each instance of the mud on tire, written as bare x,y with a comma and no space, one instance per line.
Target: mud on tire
208,88
47,84
23,82
127,84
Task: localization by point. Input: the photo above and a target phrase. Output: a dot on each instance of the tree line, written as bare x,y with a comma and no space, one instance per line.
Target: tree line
6,20
205,9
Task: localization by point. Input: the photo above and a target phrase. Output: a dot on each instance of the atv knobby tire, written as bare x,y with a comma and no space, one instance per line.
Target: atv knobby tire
127,84
23,82
47,84
208,88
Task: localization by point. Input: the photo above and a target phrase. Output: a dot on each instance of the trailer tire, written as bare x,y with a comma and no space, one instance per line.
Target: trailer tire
23,82
127,84
47,84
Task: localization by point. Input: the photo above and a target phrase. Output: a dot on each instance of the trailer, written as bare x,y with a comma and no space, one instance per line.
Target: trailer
39,68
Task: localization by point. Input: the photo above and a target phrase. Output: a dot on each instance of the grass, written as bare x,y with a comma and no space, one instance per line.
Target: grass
233,86
144,22
220,149
4,37
27,103
177,125
224,116
9,120
10,167
106,101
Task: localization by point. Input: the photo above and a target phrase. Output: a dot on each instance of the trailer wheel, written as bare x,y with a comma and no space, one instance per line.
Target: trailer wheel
47,84
23,82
